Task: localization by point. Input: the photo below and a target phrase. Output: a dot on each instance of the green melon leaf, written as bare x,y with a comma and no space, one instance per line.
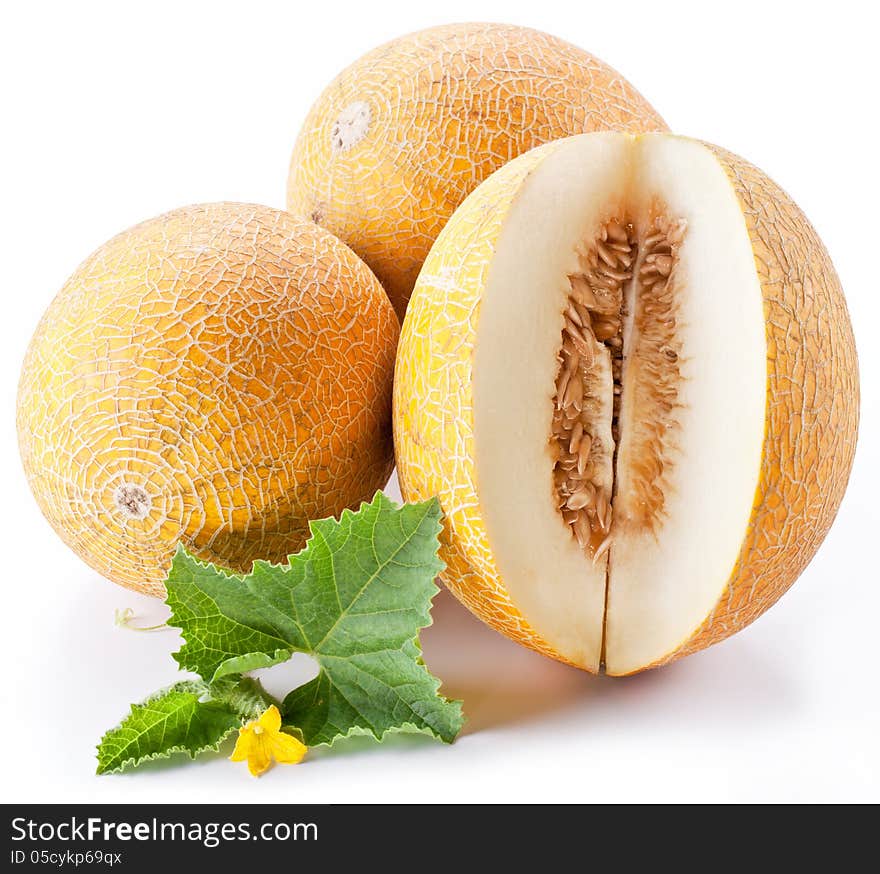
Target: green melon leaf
354,599
189,717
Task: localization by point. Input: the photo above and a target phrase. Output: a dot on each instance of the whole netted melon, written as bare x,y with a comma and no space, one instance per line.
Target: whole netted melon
218,375
400,138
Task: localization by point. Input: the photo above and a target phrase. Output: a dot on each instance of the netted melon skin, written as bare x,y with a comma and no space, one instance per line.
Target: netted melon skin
812,413
231,361
433,399
447,107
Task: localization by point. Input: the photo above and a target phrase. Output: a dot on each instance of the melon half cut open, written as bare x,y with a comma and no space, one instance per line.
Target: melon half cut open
628,372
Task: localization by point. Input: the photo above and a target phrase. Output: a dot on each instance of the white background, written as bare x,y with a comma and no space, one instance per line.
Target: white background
115,112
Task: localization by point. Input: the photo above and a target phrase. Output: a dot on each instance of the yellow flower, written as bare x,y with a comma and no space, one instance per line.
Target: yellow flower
262,740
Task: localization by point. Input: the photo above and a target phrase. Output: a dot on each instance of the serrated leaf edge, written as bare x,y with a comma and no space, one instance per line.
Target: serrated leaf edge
198,686
133,762
404,727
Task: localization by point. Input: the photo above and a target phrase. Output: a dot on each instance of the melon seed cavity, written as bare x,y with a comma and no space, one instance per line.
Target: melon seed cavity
618,344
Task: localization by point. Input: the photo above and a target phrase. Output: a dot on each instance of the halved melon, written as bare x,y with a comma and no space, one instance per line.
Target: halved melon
628,371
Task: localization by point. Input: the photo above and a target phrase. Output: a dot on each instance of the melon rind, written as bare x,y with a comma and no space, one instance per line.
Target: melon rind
433,397
812,412
443,108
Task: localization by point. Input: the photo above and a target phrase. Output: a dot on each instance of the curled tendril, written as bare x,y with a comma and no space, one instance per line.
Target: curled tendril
126,618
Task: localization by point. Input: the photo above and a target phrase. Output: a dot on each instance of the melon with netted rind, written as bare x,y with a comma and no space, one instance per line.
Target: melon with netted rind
403,135
218,375
628,371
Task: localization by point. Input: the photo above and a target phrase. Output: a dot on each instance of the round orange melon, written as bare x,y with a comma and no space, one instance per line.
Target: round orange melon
216,376
628,372
399,139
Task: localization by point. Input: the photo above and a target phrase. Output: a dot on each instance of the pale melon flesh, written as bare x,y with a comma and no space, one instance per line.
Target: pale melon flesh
668,558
